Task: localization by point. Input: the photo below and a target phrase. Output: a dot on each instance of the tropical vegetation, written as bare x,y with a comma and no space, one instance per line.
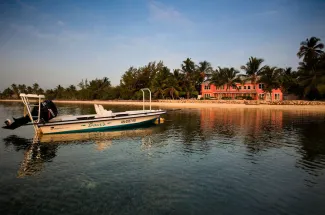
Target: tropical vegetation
308,82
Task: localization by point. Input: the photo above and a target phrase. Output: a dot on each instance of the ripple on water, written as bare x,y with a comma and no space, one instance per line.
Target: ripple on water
208,161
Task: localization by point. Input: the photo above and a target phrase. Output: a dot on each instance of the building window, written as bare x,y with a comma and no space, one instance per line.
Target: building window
239,87
221,87
261,86
277,96
261,96
207,87
249,87
207,95
244,87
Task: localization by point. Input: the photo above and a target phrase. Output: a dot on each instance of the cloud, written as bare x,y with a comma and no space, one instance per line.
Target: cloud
25,5
60,23
246,18
32,31
163,13
60,36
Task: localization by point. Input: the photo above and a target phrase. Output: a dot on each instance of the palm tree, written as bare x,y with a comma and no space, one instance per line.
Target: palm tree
180,81
22,88
50,94
35,88
29,89
205,69
99,87
71,91
253,69
179,77
310,49
312,77
40,91
217,78
8,93
172,87
231,78
312,69
159,84
59,90
15,90
225,76
270,77
288,79
188,69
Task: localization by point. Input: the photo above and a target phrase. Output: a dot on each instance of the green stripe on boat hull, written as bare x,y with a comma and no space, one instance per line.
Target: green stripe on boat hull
111,128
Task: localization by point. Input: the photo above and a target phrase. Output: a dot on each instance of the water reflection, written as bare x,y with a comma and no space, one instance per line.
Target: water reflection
199,157
258,130
200,131
43,148
17,142
311,136
261,130
35,154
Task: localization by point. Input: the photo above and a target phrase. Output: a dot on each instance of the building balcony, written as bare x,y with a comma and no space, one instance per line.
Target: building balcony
231,91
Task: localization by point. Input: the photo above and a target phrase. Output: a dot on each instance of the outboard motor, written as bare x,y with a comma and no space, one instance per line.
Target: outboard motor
48,111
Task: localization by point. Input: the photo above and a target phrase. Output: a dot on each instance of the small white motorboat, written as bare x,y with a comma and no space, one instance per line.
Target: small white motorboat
45,119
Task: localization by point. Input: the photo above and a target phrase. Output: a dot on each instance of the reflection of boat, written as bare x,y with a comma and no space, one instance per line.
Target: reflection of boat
93,136
43,148
44,117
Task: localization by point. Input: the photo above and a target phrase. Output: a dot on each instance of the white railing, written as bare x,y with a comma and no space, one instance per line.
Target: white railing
144,89
25,99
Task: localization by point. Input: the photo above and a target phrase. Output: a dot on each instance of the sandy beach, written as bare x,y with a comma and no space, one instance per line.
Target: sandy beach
177,104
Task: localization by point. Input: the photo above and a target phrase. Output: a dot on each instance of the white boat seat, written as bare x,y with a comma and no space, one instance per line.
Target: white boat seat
62,118
97,109
101,111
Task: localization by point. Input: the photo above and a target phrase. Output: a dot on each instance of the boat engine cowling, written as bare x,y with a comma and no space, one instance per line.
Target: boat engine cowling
48,111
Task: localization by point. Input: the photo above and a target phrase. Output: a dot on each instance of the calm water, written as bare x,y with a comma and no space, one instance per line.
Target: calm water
209,161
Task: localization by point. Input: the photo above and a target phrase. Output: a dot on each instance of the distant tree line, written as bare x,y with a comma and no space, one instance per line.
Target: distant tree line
308,82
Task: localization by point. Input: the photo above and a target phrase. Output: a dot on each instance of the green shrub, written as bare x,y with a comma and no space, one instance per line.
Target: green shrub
244,97
195,94
182,94
226,98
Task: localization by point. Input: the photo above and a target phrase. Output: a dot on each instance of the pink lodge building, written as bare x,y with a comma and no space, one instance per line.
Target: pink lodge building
245,90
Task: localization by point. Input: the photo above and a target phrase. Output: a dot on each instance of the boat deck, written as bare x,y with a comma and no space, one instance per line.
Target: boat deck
109,114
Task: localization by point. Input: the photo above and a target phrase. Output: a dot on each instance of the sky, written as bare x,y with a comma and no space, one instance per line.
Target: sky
63,41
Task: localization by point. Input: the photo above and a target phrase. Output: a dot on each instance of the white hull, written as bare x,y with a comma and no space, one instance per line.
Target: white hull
96,125
95,136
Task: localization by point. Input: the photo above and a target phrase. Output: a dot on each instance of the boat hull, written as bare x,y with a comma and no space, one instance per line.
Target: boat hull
97,136
103,125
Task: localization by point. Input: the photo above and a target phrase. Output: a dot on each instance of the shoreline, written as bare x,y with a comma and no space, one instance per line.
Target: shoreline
196,105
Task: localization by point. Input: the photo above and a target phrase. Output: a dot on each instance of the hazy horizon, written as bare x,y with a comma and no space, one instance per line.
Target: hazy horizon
52,44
